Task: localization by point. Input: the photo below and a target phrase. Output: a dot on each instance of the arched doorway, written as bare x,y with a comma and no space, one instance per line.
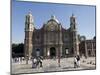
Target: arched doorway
37,52
89,53
52,52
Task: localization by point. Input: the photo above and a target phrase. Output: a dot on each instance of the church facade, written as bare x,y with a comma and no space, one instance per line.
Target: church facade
51,40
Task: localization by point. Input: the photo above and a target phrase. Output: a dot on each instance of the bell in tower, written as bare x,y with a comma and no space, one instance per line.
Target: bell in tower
73,22
72,19
29,24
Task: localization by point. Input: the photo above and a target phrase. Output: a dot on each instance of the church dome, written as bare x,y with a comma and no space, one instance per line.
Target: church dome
53,18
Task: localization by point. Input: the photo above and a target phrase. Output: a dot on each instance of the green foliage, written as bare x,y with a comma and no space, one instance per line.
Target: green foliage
17,50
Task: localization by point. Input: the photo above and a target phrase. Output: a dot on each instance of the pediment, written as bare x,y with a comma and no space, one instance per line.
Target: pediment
52,26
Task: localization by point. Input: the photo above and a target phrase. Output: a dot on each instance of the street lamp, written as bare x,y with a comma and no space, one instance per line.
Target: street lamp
59,57
26,59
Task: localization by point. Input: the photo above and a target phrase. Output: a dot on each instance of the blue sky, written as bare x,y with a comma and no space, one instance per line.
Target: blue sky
42,12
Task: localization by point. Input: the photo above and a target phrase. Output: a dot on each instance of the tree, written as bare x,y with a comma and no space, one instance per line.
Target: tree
17,50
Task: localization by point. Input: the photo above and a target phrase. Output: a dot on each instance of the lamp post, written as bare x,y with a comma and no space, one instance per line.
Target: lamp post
59,57
27,59
59,41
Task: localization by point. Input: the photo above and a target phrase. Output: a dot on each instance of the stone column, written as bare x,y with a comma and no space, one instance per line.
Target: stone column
48,53
92,49
75,43
60,50
86,53
45,52
57,51
60,43
45,44
30,50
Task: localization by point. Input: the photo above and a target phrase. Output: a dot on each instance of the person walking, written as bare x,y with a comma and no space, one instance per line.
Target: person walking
78,61
34,61
75,62
41,60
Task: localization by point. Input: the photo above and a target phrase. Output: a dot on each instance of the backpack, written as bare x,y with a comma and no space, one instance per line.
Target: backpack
78,58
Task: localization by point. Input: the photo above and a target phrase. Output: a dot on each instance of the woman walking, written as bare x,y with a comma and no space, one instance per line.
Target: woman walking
75,62
78,61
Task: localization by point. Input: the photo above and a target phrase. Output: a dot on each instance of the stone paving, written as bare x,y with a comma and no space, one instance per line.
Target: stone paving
51,65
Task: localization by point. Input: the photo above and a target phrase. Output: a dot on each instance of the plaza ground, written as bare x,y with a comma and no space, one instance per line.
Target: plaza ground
51,65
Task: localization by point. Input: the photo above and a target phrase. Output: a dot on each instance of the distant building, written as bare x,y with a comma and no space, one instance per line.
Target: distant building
52,40
88,47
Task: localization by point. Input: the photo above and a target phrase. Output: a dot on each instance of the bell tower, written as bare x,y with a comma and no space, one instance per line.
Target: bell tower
29,28
73,26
